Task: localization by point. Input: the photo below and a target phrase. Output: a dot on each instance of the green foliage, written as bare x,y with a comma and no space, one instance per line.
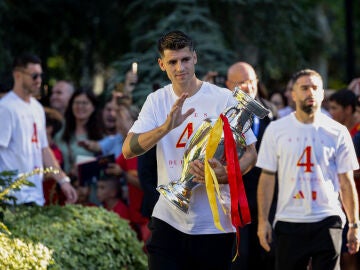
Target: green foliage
79,38
78,237
19,254
159,17
10,180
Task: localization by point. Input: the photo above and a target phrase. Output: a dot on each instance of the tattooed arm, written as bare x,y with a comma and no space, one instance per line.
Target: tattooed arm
137,144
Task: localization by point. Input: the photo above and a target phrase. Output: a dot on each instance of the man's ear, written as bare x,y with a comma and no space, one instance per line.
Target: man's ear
195,57
161,64
349,110
293,95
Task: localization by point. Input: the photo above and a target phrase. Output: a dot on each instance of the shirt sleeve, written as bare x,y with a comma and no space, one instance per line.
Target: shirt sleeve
267,156
346,155
6,126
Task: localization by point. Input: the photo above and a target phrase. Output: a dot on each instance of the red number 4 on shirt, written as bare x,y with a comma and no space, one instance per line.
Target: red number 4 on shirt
34,137
185,135
305,159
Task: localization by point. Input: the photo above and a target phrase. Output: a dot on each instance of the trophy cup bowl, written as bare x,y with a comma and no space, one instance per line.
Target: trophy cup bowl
178,192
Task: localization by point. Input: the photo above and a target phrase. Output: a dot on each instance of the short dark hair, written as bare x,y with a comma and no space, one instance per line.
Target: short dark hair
344,97
24,59
112,180
174,40
304,72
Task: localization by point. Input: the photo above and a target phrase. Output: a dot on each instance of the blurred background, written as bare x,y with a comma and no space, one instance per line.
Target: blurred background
93,43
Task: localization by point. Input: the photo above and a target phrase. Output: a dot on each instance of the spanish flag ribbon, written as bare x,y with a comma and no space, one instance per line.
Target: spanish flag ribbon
240,213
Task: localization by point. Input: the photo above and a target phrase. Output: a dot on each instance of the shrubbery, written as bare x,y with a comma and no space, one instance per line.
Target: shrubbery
76,237
66,237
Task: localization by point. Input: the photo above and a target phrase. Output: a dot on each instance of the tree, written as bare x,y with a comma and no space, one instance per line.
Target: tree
150,20
71,37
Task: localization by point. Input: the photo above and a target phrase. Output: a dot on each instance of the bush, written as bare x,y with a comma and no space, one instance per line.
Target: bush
71,237
17,254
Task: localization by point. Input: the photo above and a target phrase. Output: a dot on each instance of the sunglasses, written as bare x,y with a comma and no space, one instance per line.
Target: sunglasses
34,76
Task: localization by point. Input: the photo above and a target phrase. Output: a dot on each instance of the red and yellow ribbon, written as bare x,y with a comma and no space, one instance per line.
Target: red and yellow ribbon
240,213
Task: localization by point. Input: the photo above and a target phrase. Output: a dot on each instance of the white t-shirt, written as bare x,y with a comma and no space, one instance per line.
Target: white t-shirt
23,136
308,158
208,102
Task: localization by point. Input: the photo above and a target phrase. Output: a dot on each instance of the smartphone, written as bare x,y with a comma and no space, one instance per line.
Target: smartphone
134,67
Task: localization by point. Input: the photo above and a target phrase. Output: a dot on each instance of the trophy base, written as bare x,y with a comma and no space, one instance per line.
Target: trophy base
176,199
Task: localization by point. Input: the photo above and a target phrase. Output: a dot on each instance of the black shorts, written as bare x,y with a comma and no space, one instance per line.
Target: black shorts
298,242
170,249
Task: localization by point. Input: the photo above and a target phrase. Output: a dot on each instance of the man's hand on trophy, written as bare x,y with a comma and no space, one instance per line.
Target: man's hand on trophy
220,171
197,169
176,117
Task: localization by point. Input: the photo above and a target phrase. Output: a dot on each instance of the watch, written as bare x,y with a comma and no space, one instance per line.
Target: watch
64,180
354,225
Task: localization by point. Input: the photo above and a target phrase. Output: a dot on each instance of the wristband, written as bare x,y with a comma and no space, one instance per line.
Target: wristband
64,180
354,225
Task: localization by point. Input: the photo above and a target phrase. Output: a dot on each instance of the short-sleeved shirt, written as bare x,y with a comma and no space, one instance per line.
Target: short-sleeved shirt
23,137
209,102
308,159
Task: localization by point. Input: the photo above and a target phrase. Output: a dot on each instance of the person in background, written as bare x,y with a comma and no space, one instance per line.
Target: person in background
278,99
131,79
83,192
325,104
243,75
314,158
112,144
109,194
166,120
215,77
52,191
251,255
60,95
354,86
290,102
23,141
342,107
109,116
81,123
127,168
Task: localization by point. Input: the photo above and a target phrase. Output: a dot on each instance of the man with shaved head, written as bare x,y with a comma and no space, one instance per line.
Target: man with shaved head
60,95
252,256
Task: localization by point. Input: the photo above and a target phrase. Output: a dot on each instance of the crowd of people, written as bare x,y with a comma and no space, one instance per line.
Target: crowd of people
299,169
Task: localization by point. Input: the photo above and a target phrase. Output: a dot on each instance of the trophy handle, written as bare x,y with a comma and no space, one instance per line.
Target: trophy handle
249,104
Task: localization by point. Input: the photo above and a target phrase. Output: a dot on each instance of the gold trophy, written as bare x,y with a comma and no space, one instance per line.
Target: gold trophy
240,117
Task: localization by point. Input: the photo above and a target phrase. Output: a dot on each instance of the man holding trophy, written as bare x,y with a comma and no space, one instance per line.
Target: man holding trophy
183,232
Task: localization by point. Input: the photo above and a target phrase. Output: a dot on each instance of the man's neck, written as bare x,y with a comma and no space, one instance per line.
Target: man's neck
21,93
191,87
306,118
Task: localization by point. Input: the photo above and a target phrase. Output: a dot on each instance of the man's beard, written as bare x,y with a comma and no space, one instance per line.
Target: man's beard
308,109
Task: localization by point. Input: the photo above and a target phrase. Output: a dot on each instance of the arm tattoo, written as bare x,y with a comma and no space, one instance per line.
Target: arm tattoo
135,146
